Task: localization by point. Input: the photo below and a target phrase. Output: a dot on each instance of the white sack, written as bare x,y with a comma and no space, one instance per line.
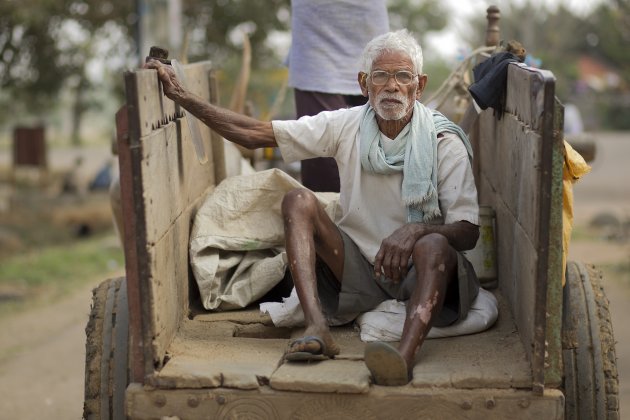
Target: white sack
242,215
385,322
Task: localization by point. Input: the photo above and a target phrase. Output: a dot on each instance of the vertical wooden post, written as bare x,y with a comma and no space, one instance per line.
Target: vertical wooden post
218,152
492,30
470,121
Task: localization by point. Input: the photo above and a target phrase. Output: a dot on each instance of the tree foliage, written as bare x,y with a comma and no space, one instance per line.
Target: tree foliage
558,37
211,24
608,32
419,17
44,43
49,46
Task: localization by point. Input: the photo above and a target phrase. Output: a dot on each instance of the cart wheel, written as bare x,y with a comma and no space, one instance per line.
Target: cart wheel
591,383
106,352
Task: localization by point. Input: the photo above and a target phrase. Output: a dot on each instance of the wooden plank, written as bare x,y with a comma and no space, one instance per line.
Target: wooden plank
168,281
525,96
168,185
215,347
553,355
172,177
129,231
492,359
156,110
230,362
153,108
381,403
334,376
512,167
516,254
519,175
218,150
206,354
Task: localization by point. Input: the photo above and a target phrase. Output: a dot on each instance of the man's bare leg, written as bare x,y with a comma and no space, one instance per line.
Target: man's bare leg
435,262
309,232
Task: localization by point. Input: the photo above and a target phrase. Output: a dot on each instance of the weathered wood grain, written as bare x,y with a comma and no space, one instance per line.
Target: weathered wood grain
169,183
518,174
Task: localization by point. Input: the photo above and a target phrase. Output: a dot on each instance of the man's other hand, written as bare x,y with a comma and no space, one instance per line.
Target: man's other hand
392,259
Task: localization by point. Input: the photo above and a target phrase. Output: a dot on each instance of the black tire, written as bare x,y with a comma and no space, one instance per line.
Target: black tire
591,384
106,352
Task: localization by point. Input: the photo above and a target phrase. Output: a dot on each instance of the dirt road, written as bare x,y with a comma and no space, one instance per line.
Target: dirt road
41,360
606,192
42,351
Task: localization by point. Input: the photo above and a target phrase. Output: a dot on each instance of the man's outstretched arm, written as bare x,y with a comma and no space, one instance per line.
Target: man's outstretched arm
240,129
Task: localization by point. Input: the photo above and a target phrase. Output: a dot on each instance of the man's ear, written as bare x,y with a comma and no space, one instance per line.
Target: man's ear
362,77
422,84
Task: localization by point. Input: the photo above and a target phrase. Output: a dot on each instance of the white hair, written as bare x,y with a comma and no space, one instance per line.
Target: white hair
401,40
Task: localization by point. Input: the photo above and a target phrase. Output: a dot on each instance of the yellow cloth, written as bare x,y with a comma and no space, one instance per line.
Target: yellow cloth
574,168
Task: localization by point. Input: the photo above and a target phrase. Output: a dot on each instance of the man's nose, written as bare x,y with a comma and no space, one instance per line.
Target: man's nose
392,84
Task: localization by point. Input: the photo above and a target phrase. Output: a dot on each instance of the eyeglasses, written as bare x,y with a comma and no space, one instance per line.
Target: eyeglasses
381,77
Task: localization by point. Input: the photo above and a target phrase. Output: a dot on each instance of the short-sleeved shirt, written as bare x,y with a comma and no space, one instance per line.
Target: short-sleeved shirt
371,205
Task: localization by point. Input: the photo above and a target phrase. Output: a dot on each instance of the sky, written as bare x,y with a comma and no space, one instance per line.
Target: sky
446,41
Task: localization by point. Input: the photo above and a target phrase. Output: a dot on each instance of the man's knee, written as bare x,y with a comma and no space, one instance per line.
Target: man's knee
299,201
434,250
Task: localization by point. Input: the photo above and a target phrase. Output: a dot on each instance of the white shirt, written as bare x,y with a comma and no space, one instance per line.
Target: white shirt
371,204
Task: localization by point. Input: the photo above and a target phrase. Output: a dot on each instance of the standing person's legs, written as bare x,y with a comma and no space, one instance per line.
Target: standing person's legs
322,174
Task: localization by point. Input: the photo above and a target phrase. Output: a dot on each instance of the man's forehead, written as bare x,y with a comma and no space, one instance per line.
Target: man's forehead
392,59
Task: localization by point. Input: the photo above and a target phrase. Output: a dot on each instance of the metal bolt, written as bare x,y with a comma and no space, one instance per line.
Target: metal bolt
466,405
193,402
221,399
159,400
490,403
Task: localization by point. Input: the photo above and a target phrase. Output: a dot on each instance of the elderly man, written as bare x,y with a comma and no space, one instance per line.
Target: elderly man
408,206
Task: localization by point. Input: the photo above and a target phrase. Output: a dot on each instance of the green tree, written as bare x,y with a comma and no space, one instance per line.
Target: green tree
49,46
420,17
608,33
216,21
46,45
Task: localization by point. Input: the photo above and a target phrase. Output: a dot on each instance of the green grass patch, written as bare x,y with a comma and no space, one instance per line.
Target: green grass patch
619,272
584,233
53,271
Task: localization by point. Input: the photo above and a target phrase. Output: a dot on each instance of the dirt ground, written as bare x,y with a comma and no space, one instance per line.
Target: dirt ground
42,351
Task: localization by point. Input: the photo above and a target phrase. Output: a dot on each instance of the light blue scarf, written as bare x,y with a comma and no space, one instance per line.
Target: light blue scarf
415,155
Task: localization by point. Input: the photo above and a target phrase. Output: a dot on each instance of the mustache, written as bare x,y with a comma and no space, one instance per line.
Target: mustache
396,96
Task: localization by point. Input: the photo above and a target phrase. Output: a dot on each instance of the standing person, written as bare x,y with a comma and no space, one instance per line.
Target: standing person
327,39
408,206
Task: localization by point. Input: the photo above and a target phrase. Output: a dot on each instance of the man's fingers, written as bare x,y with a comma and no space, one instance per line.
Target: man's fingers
387,265
395,267
404,265
378,261
152,64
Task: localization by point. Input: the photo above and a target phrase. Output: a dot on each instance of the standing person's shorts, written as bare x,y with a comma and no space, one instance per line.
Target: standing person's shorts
360,292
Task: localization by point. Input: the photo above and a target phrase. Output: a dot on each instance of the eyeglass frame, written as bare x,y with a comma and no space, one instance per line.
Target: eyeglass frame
390,75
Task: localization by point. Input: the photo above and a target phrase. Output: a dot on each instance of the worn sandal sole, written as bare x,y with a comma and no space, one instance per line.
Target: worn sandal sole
386,365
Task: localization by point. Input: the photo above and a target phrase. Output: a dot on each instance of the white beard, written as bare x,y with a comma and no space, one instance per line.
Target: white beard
391,112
